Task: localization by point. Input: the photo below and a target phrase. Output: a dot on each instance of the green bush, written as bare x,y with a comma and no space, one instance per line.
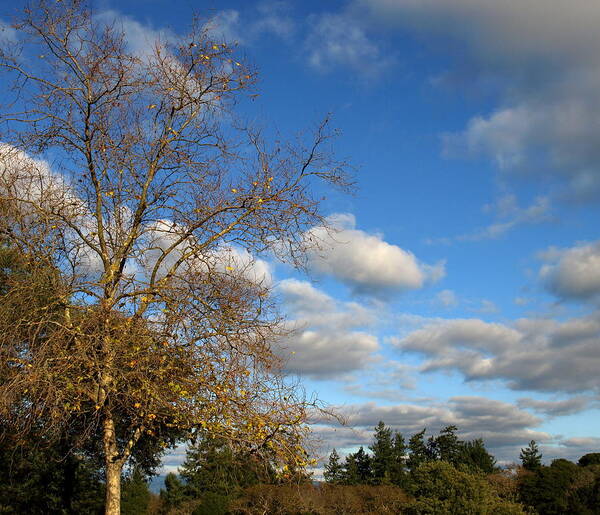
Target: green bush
440,488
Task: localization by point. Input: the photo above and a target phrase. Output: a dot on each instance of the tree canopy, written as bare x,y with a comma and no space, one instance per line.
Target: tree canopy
128,175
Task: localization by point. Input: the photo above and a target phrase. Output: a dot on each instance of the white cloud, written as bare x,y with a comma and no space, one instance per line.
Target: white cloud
504,427
532,354
340,40
274,18
574,272
226,26
141,39
543,60
366,262
329,338
447,298
225,259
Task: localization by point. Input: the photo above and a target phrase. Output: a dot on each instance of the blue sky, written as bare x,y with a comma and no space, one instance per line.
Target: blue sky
464,284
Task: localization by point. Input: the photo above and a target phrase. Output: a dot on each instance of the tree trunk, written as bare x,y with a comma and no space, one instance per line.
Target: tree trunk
113,466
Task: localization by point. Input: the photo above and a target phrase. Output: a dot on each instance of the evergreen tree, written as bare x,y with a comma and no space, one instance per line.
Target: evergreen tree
214,465
334,471
351,470
174,492
398,461
363,466
382,449
476,457
530,457
418,451
447,446
40,480
135,495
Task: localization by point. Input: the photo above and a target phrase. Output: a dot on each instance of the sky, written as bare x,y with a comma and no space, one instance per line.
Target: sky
463,285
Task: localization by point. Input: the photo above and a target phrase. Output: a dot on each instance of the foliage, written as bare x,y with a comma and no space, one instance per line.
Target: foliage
158,324
216,465
382,449
475,456
440,488
418,451
135,495
174,493
334,470
397,466
592,458
40,480
562,487
530,456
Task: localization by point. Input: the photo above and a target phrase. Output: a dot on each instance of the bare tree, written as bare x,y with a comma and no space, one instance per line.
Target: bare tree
152,204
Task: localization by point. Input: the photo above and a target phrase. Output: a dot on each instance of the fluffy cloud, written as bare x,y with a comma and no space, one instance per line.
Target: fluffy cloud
140,38
573,273
556,408
366,262
542,59
329,338
533,354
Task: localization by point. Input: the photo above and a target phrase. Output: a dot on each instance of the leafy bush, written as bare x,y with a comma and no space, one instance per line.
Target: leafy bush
440,488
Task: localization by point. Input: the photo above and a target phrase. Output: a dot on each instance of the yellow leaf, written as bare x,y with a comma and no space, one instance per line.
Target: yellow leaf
152,106
233,190
215,47
229,268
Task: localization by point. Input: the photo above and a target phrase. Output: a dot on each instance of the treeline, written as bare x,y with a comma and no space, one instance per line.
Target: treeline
391,459
436,475
447,475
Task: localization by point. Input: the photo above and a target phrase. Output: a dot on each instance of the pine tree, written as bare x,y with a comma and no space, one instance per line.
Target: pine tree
363,466
135,495
174,492
530,457
398,461
448,446
382,449
351,470
476,457
418,451
334,471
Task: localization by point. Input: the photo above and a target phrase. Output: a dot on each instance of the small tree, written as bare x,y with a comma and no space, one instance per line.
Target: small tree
475,456
351,476
334,470
447,446
155,206
173,494
382,449
398,461
418,451
531,457
364,466
135,497
220,467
